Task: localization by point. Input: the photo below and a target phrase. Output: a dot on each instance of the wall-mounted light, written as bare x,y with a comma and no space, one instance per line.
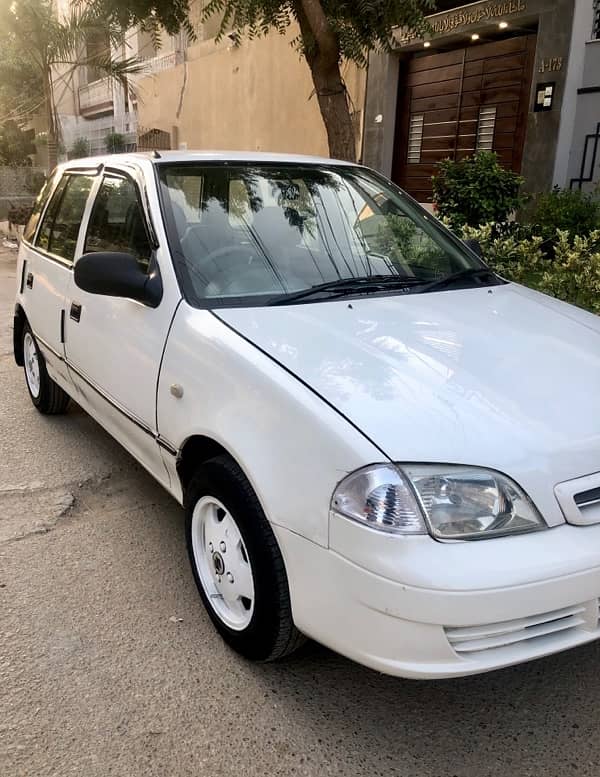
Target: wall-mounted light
427,44
475,36
503,25
544,97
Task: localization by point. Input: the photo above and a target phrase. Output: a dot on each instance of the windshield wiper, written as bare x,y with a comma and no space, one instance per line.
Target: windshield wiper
343,286
473,273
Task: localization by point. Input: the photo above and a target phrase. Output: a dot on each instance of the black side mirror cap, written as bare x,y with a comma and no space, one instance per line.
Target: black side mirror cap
475,246
115,274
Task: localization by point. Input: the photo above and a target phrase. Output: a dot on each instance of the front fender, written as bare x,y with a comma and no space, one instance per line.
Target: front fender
293,446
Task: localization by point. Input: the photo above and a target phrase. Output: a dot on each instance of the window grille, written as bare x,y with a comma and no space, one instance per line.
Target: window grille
415,139
486,128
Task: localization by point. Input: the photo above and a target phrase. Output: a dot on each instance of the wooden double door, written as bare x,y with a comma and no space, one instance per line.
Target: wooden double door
454,103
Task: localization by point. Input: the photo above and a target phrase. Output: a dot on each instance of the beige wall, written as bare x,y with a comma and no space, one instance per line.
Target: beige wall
255,97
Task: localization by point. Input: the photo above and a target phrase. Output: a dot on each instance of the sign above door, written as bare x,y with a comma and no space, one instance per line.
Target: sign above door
476,14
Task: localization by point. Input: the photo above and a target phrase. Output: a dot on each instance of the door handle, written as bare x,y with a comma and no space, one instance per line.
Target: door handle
30,280
75,314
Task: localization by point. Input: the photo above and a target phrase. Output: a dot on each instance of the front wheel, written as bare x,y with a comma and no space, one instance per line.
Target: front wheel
46,395
237,564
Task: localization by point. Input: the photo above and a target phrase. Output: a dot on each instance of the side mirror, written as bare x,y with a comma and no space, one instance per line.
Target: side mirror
475,246
118,275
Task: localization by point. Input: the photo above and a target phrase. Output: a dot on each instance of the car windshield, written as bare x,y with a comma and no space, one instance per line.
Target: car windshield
262,234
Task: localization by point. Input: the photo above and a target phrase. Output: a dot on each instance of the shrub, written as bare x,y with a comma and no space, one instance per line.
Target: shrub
572,275
512,256
79,149
564,209
114,143
477,190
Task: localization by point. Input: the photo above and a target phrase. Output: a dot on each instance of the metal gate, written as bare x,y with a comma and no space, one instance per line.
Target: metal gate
153,139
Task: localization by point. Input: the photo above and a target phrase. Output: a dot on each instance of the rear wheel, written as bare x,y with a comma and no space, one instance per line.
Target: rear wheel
237,564
46,395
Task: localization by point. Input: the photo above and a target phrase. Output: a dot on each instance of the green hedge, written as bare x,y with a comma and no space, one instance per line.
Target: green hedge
572,274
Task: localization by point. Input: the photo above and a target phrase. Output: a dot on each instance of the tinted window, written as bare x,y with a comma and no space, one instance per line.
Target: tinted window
62,220
117,222
38,207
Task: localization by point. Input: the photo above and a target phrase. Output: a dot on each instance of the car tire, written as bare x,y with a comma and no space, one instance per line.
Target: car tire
46,395
237,564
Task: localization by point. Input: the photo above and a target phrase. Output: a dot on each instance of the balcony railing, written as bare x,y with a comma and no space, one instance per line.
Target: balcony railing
596,30
163,62
96,97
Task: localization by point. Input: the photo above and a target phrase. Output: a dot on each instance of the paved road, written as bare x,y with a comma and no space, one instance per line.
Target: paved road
109,666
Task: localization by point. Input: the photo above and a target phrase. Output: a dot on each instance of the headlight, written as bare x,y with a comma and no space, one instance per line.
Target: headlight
468,503
452,502
381,497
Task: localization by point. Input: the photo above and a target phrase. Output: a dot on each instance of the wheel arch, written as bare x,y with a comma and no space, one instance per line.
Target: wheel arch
19,321
197,450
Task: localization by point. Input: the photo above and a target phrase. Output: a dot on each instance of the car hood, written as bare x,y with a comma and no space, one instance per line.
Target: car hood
500,377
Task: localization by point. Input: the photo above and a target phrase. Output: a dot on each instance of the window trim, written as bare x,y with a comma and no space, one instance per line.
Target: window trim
90,173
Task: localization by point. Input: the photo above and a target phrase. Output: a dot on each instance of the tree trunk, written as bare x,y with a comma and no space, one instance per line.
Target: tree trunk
322,51
335,110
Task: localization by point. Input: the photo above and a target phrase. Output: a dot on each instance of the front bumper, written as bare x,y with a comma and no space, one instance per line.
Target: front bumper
462,622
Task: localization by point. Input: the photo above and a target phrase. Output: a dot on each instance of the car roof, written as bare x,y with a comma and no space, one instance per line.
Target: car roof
158,157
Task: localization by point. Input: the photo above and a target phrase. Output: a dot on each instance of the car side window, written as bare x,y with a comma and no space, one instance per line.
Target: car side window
43,238
38,207
60,228
117,221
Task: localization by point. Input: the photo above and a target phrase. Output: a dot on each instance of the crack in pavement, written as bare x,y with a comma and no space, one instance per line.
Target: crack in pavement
31,509
37,485
25,512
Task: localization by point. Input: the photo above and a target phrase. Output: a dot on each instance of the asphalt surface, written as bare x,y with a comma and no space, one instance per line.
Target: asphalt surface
110,666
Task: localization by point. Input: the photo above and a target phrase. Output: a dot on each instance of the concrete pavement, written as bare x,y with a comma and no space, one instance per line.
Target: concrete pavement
109,665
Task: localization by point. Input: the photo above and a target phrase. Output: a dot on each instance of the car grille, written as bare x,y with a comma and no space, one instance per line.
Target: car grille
470,640
580,500
587,498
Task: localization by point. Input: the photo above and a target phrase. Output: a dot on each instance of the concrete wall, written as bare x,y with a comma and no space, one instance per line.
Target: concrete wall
255,97
587,122
583,19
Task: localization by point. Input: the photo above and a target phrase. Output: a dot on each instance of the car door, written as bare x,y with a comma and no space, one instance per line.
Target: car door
47,261
113,345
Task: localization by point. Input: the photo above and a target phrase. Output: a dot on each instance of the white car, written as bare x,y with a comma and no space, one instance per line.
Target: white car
378,442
